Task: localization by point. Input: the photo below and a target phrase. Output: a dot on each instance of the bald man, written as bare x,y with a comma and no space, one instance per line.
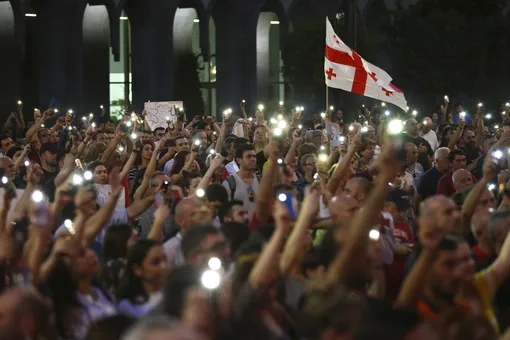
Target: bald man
428,134
343,207
462,179
438,215
357,188
188,213
7,167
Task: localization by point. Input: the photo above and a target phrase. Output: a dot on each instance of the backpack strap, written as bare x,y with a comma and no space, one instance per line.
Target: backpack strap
232,186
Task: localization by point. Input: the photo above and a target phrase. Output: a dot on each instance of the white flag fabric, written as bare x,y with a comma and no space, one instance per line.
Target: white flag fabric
345,69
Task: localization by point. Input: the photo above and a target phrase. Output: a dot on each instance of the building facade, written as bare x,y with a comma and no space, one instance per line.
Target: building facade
82,54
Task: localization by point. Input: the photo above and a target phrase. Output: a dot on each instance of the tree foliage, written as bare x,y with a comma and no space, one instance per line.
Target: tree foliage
458,47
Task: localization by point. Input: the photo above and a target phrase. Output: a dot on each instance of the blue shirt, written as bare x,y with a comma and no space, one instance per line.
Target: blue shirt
467,119
136,311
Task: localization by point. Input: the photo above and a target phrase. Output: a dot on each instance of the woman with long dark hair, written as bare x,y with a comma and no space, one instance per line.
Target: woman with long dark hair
118,239
184,163
76,301
141,284
142,160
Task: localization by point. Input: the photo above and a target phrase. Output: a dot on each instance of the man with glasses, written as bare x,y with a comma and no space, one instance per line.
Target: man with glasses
244,184
309,165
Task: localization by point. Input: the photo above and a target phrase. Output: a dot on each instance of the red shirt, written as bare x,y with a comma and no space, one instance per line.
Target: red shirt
255,224
445,185
395,271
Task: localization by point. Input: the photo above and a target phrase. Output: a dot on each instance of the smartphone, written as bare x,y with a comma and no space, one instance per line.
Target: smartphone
78,164
160,199
124,128
170,143
290,203
138,143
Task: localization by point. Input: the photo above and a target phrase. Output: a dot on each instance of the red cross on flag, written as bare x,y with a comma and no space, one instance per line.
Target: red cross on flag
345,69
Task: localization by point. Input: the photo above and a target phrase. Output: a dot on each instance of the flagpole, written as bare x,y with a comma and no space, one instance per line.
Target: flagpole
327,98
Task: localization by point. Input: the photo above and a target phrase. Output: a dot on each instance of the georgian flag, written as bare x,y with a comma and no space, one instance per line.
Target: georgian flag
346,70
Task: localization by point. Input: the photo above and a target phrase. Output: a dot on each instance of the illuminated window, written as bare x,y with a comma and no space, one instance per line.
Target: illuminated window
207,70
120,72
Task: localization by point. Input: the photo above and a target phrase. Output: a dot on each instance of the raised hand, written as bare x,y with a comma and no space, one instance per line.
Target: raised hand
215,162
116,181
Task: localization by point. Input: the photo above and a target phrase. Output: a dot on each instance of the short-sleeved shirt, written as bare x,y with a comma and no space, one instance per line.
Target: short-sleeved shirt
243,193
173,251
416,171
427,184
445,185
431,137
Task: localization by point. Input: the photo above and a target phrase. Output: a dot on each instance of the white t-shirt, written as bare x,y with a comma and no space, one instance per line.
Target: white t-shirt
173,252
431,137
242,192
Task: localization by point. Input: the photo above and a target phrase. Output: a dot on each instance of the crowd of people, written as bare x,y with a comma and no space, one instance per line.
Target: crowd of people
276,225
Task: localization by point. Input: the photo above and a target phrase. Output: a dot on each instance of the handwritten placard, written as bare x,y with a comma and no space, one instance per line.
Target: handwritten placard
104,191
158,112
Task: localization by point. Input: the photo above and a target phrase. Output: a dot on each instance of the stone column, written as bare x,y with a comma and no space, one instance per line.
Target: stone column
236,52
10,61
60,45
152,57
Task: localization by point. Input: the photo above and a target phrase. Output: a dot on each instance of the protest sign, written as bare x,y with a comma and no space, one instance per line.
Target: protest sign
158,112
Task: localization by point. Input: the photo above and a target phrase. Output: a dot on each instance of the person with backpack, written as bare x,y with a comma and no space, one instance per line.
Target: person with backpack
244,184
